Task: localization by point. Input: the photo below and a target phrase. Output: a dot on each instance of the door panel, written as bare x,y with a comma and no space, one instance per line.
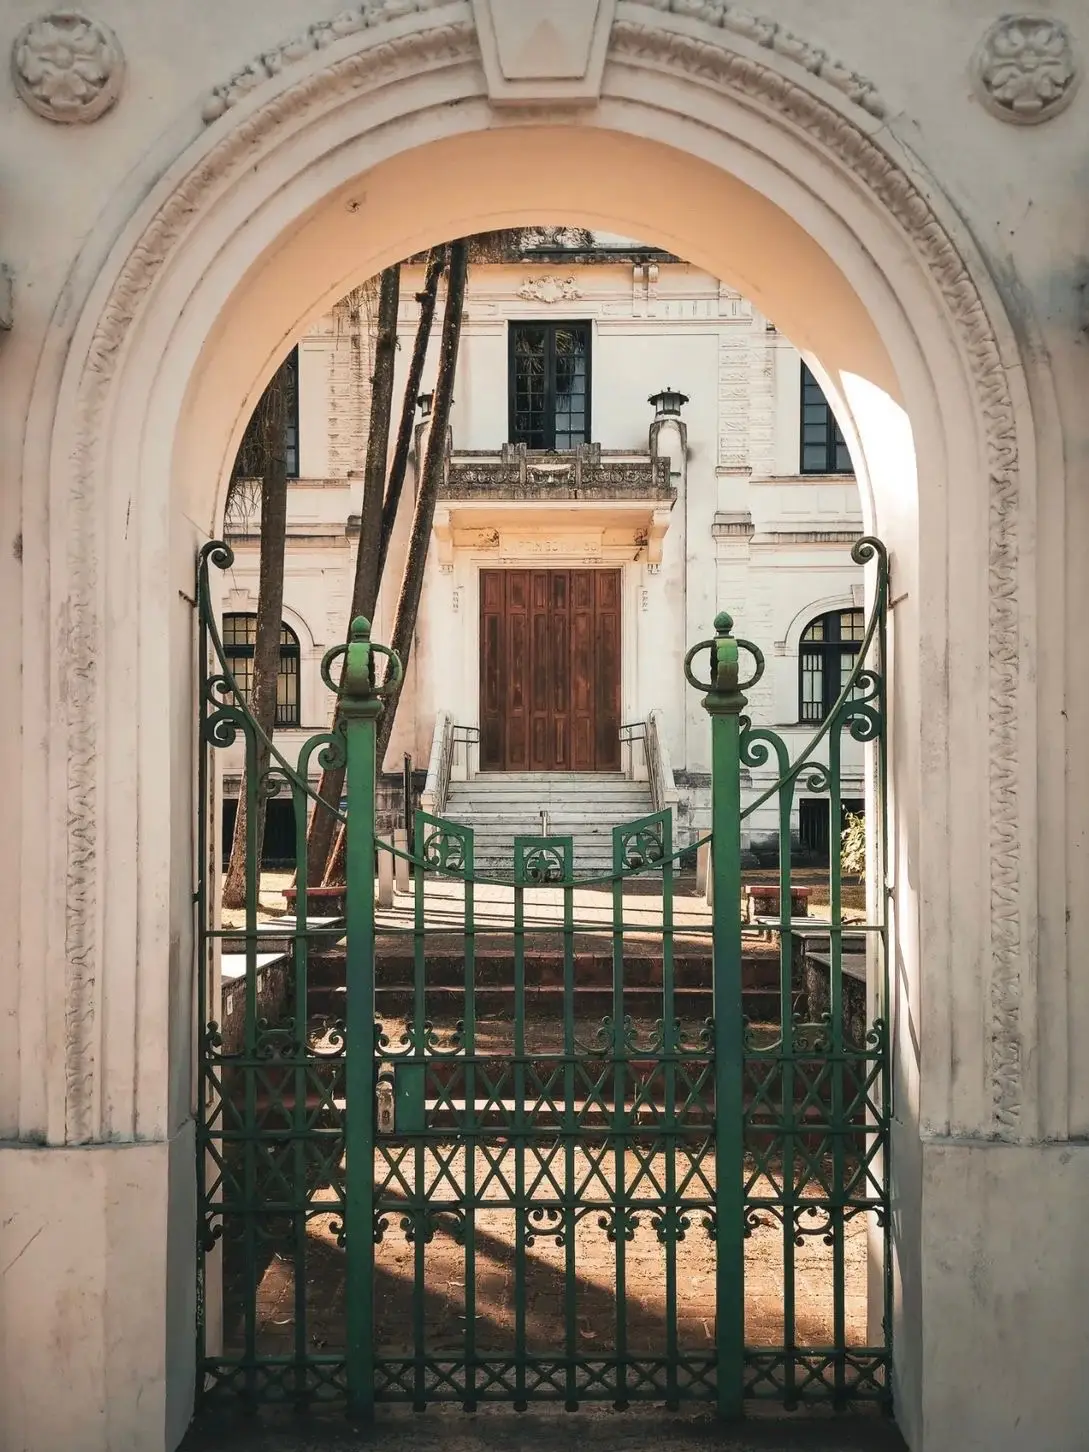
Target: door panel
549,670
607,674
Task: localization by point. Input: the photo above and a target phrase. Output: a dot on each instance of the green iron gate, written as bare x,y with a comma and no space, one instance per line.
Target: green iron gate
543,1137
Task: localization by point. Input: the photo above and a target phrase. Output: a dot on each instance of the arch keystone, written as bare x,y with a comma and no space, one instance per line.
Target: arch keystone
536,54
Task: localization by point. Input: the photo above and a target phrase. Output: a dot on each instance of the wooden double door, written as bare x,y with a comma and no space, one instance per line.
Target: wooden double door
549,670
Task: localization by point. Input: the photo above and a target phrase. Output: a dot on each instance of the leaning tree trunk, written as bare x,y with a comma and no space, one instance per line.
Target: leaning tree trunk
408,604
319,834
399,467
270,602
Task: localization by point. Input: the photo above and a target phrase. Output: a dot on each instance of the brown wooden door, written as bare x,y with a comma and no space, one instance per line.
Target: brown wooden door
549,670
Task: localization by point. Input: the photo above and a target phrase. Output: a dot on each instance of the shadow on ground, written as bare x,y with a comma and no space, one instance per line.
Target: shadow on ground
499,1430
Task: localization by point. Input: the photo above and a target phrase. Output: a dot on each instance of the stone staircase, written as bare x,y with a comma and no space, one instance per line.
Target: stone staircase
587,806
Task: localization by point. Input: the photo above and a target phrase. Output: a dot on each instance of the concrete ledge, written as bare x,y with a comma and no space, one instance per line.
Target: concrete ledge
97,1314
1005,1266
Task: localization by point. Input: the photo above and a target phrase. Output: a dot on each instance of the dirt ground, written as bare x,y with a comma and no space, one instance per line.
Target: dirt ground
596,1256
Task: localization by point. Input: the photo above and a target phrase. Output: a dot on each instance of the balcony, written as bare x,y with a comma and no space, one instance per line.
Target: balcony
586,473
586,506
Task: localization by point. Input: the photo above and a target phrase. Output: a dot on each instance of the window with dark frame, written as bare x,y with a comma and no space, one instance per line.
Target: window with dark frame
239,643
826,658
824,449
549,385
291,440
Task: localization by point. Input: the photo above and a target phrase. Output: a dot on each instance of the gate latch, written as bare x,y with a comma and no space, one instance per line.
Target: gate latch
385,1101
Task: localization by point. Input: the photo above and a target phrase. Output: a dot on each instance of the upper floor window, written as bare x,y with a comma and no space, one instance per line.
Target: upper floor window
549,385
251,453
291,437
824,450
829,647
239,642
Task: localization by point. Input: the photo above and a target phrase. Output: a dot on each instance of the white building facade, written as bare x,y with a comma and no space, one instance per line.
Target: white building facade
619,412
900,189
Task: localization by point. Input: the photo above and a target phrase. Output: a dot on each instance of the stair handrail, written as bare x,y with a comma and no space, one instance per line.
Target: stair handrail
437,786
663,785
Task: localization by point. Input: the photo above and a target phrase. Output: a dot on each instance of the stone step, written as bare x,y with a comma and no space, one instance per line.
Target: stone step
537,777
691,970
481,787
497,1000
558,801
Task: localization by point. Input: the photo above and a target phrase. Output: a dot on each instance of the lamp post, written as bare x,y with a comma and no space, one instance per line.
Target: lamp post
668,403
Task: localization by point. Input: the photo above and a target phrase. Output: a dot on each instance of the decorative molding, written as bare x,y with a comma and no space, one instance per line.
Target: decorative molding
584,473
550,289
707,59
715,64
67,67
816,535
770,35
733,398
762,401
760,30
732,524
1026,69
319,36
350,363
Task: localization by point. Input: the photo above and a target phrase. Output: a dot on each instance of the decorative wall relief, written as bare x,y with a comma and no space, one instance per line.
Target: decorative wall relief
1026,69
319,36
549,289
67,67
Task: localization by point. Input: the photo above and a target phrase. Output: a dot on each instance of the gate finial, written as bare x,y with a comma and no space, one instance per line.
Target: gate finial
724,689
357,682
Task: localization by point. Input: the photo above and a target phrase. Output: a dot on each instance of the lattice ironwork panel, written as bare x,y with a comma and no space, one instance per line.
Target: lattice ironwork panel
544,1137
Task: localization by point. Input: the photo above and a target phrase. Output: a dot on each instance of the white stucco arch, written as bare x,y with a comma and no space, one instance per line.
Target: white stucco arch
376,146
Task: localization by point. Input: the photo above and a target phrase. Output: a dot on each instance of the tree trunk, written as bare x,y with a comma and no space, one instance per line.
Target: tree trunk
319,833
399,467
266,652
408,604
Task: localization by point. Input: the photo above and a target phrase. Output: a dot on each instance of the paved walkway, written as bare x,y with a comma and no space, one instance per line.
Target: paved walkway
502,1431
493,906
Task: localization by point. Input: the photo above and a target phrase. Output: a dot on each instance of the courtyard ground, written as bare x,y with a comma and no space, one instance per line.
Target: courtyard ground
502,1431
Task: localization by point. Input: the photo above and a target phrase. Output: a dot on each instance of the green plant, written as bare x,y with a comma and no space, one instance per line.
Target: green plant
853,851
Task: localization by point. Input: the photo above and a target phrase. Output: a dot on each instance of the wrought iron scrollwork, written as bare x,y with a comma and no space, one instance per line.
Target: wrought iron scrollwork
643,847
444,850
548,862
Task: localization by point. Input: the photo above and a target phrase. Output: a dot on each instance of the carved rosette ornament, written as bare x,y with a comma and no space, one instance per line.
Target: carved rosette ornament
67,67
1026,70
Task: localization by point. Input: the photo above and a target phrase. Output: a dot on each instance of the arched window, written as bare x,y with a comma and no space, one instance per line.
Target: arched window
239,641
827,654
824,449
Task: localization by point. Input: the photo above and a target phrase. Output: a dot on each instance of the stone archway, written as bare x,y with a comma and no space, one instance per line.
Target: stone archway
354,146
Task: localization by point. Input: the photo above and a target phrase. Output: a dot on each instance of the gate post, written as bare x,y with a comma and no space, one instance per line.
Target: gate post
724,703
361,703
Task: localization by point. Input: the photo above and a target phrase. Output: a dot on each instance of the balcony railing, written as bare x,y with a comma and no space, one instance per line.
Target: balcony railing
587,472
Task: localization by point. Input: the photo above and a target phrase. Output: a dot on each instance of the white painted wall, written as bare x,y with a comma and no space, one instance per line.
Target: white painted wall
686,331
